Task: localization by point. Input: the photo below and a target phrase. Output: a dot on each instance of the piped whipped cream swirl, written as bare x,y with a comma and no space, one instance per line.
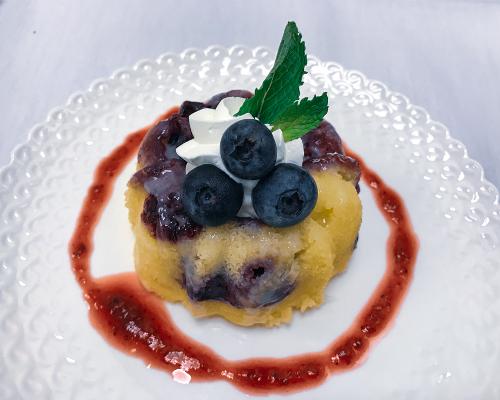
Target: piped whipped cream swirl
208,126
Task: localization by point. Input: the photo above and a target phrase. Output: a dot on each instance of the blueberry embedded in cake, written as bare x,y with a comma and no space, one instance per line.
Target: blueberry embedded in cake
246,206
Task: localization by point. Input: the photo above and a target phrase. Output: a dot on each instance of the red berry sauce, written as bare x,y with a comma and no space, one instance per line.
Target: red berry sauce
137,323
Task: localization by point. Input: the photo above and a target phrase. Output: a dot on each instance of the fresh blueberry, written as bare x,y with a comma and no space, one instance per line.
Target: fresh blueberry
210,196
248,149
286,196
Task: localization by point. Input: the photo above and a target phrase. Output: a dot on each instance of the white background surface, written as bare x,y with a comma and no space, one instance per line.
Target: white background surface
444,55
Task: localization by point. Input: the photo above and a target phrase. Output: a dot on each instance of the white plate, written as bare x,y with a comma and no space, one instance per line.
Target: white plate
444,343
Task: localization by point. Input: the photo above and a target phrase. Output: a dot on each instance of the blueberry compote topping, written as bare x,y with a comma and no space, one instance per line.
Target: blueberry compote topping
163,212
320,141
163,171
162,139
323,150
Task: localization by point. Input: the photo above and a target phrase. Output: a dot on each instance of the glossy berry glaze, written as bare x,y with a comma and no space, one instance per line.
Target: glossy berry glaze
137,323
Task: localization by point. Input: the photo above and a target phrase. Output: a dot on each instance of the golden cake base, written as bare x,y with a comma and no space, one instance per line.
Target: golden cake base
318,248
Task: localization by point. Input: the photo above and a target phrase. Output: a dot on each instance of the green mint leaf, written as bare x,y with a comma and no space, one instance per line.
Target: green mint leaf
299,118
281,86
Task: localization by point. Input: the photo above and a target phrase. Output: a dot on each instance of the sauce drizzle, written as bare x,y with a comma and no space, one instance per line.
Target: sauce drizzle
136,322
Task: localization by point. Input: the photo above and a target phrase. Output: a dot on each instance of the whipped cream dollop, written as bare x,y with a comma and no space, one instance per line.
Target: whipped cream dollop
208,126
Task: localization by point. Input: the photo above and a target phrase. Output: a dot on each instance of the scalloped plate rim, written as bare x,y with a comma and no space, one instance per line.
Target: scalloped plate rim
96,81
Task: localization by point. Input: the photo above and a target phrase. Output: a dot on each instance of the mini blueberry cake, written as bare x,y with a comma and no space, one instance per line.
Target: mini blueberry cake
245,206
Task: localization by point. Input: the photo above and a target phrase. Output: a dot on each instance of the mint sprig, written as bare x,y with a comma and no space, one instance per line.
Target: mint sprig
276,101
281,86
301,117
